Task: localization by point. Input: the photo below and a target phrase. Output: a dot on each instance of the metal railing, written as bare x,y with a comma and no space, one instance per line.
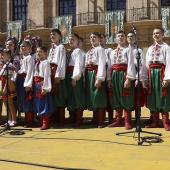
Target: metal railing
26,25
143,13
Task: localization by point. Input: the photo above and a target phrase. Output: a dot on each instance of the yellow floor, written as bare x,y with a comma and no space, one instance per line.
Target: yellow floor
87,148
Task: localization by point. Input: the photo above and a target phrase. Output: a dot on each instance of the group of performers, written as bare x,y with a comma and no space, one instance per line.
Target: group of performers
100,80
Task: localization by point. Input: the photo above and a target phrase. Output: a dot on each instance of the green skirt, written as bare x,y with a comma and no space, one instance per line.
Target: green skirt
121,97
76,95
156,102
96,98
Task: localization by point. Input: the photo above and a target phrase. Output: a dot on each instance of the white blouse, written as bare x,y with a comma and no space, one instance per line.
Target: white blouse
161,53
119,56
44,71
142,67
97,56
77,60
27,64
57,56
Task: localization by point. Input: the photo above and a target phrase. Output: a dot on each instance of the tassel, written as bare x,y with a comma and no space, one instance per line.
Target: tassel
164,92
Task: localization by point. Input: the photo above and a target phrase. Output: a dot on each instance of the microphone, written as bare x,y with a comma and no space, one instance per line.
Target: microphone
1,48
134,30
18,46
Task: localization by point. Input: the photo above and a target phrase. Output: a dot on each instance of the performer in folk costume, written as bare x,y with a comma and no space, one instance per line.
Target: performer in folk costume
43,103
57,59
158,65
5,58
133,51
24,83
107,51
76,101
11,44
95,80
120,75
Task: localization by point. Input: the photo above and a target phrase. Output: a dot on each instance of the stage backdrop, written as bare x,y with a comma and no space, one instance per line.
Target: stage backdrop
64,24
14,29
166,21
114,21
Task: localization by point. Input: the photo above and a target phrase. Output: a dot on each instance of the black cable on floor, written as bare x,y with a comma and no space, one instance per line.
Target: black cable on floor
152,139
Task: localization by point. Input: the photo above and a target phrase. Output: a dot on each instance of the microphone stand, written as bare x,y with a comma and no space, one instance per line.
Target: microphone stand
7,126
138,127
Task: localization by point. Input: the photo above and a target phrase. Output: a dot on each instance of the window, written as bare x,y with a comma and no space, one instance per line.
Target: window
67,7
116,5
165,2
20,9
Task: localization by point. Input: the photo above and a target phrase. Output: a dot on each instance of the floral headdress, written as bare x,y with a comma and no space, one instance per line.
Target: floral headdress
13,39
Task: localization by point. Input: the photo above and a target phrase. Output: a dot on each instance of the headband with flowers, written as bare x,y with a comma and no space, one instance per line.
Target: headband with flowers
28,38
37,39
13,39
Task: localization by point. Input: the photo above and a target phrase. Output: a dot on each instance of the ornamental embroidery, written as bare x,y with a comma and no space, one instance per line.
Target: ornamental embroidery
117,58
51,56
90,56
156,52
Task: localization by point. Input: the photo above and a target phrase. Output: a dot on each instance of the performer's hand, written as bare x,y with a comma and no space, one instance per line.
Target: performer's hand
97,84
127,83
73,83
136,83
145,84
27,89
109,84
43,92
165,83
57,80
4,92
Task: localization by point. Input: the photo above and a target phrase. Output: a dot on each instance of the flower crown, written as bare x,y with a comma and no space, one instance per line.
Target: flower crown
37,39
13,39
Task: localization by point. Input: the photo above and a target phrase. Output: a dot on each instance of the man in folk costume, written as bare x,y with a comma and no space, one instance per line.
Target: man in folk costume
57,59
120,75
76,101
142,71
95,80
158,65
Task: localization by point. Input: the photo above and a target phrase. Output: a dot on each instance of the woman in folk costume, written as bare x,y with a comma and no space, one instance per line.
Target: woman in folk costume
107,51
24,83
12,44
5,58
57,59
43,103
158,65
133,50
76,101
120,75
95,80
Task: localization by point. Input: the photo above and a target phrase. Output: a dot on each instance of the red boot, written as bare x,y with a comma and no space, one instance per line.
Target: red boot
118,122
165,117
61,116
29,119
40,121
127,116
100,117
155,122
46,122
79,117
